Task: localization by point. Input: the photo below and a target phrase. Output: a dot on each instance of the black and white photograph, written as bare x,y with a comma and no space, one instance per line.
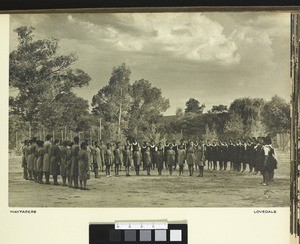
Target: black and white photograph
169,109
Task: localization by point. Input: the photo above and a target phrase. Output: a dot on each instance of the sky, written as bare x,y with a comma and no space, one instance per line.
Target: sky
212,57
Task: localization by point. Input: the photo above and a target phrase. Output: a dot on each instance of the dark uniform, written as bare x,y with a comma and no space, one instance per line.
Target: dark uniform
170,160
143,150
24,161
136,157
231,155
208,155
215,155
152,154
74,166
175,149
159,157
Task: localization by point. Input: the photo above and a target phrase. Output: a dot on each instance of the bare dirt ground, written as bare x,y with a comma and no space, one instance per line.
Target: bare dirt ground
215,189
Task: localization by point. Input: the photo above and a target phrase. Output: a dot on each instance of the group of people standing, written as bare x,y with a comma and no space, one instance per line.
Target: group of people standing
74,162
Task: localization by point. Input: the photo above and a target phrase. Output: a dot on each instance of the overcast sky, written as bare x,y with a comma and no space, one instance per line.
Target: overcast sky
213,57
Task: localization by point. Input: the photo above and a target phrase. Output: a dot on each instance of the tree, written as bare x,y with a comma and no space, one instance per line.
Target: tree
276,116
248,109
234,127
41,77
112,102
179,113
258,129
146,108
217,109
74,116
210,133
193,106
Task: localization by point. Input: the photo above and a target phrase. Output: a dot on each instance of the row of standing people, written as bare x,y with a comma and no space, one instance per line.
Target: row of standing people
73,162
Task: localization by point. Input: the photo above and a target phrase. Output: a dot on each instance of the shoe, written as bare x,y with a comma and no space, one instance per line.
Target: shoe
264,184
107,176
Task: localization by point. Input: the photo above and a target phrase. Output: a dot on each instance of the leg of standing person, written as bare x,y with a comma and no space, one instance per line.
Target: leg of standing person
201,170
215,165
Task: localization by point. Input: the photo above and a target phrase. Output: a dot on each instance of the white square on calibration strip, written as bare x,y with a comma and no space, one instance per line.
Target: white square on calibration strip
175,235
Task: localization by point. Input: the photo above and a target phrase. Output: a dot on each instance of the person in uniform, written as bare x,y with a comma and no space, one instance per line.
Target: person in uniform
214,154
249,154
129,145
159,157
136,155
148,161
108,155
259,154
97,159
231,154
127,158
152,154
143,150
74,163
47,158
225,155
243,155
83,166
25,160
34,148
221,153
63,163
190,157
102,148
166,148
69,145
270,162
208,154
55,161
39,161
170,160
31,159
181,158
175,149
199,153
117,158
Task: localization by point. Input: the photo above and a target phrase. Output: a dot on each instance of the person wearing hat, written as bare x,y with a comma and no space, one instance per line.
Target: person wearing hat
63,163
136,156
39,162
208,154
152,154
55,161
25,160
270,162
83,166
190,157
47,158
31,159
108,156
199,153
117,158
170,159
127,158
159,157
181,158
148,161
74,163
